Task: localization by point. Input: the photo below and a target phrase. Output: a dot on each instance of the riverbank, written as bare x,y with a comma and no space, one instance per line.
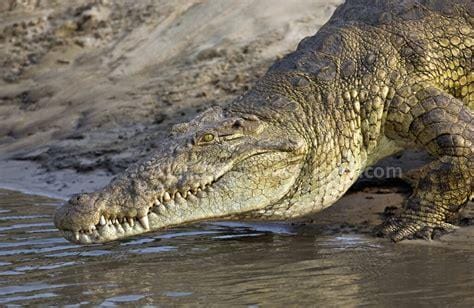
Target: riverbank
88,87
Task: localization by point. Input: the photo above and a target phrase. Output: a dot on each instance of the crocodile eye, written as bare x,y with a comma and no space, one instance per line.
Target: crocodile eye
207,137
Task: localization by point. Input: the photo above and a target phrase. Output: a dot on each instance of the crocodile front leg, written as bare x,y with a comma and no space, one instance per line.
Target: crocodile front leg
443,126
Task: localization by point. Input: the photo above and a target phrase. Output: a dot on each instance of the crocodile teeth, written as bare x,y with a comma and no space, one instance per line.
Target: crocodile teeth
102,220
178,195
192,197
167,197
76,235
131,222
144,222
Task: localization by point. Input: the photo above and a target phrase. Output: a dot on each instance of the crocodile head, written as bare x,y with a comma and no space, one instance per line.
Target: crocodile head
221,165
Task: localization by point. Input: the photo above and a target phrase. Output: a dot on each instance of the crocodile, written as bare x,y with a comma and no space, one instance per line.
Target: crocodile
379,77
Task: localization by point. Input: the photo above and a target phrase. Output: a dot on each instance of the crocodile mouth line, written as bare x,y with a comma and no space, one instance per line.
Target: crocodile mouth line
138,224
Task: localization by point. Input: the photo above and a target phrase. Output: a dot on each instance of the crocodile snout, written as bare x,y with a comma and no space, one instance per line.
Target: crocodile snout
77,212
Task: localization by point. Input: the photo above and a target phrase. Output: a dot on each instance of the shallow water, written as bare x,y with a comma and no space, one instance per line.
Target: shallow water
244,264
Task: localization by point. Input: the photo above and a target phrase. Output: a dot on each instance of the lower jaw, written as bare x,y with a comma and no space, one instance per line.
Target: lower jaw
175,214
156,221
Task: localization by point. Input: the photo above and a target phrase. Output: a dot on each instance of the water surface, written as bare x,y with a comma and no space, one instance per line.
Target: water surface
234,264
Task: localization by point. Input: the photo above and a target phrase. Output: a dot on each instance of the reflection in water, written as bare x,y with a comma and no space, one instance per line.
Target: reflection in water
232,263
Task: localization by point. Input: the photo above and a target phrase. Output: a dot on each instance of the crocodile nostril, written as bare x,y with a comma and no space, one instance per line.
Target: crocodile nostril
80,198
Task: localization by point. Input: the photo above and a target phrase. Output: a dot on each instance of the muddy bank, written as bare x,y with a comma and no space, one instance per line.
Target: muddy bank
95,85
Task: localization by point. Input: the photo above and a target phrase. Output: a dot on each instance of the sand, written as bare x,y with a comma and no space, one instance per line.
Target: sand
89,87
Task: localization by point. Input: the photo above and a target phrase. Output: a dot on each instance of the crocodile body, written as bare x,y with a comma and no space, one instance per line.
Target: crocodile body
379,77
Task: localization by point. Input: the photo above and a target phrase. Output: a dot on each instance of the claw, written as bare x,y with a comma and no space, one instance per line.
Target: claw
398,229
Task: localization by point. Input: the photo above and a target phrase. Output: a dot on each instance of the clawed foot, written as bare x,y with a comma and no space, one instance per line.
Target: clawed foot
399,228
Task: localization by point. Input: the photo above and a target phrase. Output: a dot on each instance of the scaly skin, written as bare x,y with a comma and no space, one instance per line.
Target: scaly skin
380,76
